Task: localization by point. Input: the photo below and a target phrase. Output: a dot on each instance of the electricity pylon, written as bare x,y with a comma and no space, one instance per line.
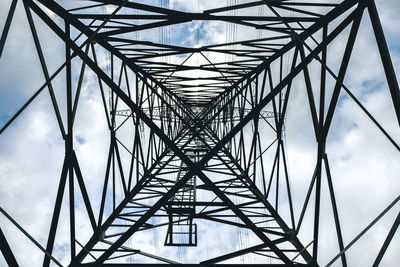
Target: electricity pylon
188,140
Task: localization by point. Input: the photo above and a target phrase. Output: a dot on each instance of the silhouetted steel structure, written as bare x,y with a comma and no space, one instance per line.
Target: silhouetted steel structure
198,128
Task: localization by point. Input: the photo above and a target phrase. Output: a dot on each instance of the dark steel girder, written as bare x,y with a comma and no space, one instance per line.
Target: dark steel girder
7,251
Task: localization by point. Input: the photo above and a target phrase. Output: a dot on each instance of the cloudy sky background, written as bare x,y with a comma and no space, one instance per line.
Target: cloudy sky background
364,164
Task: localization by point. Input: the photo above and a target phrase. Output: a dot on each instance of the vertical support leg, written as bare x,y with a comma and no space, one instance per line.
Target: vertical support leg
6,251
56,212
385,56
321,139
7,26
335,210
387,241
69,145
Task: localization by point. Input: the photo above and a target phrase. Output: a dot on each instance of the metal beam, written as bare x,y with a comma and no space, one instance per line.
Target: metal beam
6,251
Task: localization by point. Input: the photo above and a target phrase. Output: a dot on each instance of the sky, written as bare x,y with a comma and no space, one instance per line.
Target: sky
363,163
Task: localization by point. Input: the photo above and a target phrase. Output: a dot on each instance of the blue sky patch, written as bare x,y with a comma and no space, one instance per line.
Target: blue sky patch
80,139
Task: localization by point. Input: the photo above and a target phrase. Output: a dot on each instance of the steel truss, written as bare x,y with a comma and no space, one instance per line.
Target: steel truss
198,133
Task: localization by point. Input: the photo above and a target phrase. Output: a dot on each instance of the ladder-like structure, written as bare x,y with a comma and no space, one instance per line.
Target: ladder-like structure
181,209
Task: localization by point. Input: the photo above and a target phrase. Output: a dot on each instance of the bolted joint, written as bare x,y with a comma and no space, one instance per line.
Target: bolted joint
102,234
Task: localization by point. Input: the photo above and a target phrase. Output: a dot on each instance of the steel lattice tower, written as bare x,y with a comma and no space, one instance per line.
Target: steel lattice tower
188,141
